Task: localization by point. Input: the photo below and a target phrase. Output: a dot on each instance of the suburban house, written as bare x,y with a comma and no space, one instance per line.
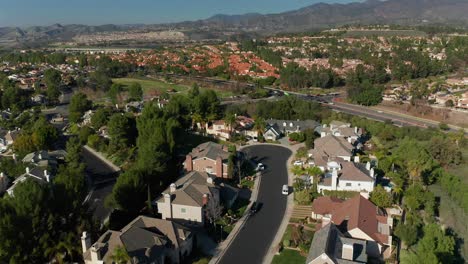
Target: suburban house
208,157
331,146
357,218
286,127
340,129
219,129
348,176
145,239
41,158
38,174
7,138
272,132
243,126
329,245
188,198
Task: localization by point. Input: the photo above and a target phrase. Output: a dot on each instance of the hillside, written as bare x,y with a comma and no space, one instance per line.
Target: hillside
317,16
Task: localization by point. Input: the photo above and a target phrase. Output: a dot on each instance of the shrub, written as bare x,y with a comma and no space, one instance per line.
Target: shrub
286,243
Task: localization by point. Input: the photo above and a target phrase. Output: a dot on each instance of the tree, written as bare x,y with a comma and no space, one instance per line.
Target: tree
100,118
120,131
44,134
79,104
120,255
135,92
129,191
53,80
114,92
230,121
407,233
380,197
365,94
449,103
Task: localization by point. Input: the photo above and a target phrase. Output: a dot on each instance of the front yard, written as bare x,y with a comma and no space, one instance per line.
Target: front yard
289,256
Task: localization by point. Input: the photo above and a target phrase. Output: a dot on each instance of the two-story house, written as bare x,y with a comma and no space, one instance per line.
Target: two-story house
348,176
358,218
38,174
187,199
208,157
145,240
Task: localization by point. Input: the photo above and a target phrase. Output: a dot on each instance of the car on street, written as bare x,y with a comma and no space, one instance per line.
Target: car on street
285,190
255,208
260,167
298,163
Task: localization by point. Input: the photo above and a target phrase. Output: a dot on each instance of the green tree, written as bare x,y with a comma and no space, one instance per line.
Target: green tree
114,93
407,233
120,255
380,197
135,92
53,80
79,104
120,131
100,118
44,134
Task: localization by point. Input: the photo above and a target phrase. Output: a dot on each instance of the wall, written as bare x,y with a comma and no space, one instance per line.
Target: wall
192,213
355,186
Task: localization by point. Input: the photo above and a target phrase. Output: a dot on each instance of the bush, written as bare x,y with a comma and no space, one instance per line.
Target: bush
443,126
286,243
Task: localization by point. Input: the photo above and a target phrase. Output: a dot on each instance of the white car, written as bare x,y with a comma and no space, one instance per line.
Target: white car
260,167
298,163
285,190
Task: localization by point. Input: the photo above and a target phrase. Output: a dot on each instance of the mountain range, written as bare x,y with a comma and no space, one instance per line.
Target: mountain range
317,16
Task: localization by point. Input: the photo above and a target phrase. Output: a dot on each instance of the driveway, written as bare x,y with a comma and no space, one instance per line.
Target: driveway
255,239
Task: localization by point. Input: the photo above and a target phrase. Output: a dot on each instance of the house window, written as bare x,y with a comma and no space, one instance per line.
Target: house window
348,184
182,210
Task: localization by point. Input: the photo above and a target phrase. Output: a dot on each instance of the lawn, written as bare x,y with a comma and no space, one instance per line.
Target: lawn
289,256
149,85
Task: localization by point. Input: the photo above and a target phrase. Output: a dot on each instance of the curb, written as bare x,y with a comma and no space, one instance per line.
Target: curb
102,158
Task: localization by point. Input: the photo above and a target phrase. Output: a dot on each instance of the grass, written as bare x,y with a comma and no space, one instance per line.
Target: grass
289,256
248,184
149,85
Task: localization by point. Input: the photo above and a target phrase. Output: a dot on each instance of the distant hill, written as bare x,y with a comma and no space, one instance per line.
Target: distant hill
317,16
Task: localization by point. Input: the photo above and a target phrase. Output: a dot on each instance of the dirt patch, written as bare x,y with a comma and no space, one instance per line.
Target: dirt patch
452,117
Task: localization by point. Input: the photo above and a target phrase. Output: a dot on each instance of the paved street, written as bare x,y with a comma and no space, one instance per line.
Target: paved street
102,177
254,240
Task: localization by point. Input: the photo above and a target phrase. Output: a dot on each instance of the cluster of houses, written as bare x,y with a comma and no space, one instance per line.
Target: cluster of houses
274,129
183,207
353,230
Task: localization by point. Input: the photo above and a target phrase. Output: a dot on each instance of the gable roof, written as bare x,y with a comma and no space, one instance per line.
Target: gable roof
351,171
329,240
190,189
325,204
333,146
301,125
144,239
358,212
209,150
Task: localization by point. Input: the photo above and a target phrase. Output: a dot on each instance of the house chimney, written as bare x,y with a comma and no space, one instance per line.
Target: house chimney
85,241
350,140
189,163
47,176
209,180
347,252
172,187
368,165
334,179
95,254
356,159
355,130
27,170
167,205
372,173
219,167
205,199
40,156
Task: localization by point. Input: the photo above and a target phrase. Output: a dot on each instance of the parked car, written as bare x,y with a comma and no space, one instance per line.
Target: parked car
298,163
255,208
260,167
285,190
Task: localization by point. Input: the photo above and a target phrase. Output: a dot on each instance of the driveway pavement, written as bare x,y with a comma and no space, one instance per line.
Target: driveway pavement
254,240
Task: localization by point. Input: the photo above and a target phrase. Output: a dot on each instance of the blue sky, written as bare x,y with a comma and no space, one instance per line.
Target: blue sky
97,12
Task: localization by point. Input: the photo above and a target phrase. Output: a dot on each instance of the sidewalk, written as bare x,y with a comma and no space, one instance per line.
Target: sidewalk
102,158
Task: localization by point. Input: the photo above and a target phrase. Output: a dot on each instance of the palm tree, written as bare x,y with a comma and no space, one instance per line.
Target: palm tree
230,121
120,255
260,125
196,118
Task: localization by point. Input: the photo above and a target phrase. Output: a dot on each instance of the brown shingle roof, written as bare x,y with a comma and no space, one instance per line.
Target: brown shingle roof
333,146
358,212
209,150
325,204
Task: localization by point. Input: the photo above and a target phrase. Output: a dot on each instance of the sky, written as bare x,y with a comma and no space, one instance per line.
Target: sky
98,12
